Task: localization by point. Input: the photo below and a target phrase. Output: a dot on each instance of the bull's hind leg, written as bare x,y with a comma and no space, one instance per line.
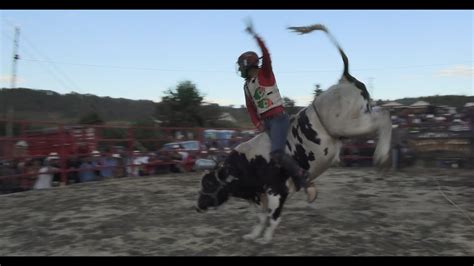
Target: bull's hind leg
275,206
262,220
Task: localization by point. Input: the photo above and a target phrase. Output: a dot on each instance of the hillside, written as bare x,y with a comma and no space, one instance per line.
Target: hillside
457,101
46,105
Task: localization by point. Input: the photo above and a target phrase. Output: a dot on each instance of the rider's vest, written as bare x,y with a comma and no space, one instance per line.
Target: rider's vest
264,97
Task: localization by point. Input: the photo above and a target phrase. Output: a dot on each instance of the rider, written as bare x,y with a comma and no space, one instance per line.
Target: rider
265,107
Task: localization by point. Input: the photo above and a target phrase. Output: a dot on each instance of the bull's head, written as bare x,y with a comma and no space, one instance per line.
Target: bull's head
214,189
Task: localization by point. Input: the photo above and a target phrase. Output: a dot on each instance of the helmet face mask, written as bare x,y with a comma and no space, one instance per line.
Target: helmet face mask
239,70
246,61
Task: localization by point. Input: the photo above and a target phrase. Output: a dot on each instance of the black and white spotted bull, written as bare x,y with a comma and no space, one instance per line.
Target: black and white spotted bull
314,141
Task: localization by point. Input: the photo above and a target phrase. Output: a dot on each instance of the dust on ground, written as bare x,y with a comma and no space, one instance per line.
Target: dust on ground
359,212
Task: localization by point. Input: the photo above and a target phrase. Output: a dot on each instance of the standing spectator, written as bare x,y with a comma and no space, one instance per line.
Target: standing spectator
53,161
7,184
136,161
97,163
151,165
179,157
45,176
73,166
119,170
86,170
31,173
108,165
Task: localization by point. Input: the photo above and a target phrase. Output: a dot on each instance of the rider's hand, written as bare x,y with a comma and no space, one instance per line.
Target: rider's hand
261,127
249,28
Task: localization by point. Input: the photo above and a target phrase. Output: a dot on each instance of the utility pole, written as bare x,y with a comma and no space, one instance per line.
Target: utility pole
10,110
15,57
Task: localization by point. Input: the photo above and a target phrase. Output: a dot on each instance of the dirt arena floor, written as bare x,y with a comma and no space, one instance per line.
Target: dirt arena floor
359,212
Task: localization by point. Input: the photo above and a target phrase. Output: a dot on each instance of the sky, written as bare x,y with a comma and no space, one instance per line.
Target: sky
140,54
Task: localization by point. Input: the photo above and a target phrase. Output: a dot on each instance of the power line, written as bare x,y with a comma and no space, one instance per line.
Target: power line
53,74
128,67
71,82
191,70
382,68
65,77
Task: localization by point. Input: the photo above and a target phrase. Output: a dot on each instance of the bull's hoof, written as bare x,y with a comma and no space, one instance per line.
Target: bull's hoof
381,160
250,237
382,163
263,241
291,186
311,193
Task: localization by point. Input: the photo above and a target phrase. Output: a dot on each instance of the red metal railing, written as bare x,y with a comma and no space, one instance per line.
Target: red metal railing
75,141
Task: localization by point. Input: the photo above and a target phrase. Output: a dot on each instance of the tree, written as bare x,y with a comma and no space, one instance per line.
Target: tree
211,114
287,102
289,105
183,107
91,118
317,90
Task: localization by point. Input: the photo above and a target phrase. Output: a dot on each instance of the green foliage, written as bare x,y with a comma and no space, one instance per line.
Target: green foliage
16,129
289,105
183,107
48,105
317,90
92,118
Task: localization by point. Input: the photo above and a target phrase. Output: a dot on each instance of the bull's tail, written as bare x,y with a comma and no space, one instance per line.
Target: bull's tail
345,74
308,29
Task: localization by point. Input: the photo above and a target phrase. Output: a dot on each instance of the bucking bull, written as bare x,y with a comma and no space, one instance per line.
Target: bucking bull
314,141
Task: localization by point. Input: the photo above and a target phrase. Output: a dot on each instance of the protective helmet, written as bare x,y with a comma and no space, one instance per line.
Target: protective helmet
246,61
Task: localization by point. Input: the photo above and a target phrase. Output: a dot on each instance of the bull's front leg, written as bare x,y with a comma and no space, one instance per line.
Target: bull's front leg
376,121
275,206
262,220
258,229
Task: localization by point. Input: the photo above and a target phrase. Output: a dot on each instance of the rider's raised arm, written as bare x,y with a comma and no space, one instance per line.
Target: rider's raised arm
266,60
